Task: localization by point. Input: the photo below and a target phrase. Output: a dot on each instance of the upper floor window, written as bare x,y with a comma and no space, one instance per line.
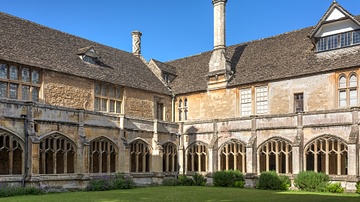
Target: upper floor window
258,102
340,40
245,101
18,82
107,98
347,88
299,102
160,111
183,109
261,99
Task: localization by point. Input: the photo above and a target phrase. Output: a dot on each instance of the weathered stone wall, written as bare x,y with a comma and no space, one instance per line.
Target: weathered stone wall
217,104
319,94
68,91
142,104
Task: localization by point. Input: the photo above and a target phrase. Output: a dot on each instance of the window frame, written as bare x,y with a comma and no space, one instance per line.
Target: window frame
19,88
345,98
105,99
337,41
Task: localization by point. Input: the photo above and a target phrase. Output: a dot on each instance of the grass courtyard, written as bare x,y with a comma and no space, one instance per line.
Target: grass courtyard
181,193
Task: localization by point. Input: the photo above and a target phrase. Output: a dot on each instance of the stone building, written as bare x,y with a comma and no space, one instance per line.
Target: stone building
73,109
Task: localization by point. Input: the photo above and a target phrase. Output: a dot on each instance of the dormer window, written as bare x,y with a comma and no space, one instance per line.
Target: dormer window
336,29
166,77
341,40
89,55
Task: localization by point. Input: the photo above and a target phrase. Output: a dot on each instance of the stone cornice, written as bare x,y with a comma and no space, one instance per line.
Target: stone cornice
218,1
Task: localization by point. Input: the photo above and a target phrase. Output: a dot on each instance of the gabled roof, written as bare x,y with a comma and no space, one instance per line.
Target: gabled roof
35,45
335,13
280,57
165,67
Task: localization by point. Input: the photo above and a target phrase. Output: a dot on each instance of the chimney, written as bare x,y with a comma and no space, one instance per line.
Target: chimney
136,42
219,24
219,66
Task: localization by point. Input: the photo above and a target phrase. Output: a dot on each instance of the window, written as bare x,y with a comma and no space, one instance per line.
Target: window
347,88
107,98
245,102
170,162
233,156
327,154
261,99
197,157
183,109
275,154
139,156
160,111
299,102
102,156
17,82
338,41
57,155
11,154
166,77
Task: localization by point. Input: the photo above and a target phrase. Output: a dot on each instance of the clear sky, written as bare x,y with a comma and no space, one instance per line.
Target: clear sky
172,29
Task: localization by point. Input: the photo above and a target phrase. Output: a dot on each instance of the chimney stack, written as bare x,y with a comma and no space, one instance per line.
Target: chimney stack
136,43
219,66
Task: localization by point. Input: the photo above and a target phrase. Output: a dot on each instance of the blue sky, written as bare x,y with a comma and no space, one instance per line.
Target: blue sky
172,29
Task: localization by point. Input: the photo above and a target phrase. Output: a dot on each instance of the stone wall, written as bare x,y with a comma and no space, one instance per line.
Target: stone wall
142,104
67,91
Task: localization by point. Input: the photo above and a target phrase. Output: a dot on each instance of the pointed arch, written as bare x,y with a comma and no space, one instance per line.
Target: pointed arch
103,155
197,157
232,155
11,153
275,154
326,153
170,161
57,153
140,156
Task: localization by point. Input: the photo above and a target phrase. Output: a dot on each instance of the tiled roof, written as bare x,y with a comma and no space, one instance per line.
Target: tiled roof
279,57
32,44
165,67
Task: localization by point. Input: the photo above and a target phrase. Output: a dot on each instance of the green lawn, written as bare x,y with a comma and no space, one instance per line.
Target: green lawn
189,194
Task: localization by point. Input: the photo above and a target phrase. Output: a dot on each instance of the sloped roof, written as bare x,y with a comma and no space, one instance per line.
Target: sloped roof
279,57
165,67
35,45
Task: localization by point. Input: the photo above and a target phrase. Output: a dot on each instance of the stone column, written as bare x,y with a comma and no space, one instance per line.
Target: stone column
353,157
297,149
251,154
136,42
156,158
122,165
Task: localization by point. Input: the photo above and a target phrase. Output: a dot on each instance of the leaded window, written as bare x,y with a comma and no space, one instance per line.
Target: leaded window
340,40
107,98
245,96
347,88
18,82
102,156
57,155
261,99
327,154
183,109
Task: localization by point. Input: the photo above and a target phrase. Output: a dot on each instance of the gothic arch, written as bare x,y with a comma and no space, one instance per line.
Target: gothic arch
140,155
197,157
170,157
275,154
57,153
11,153
326,153
232,155
103,155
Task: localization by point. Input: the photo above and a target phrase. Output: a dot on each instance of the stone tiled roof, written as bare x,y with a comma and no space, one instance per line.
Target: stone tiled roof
31,44
165,67
280,57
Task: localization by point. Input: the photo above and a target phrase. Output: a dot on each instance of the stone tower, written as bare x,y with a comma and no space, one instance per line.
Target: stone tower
219,66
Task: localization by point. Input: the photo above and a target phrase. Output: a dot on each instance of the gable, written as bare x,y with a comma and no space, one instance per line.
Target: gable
335,14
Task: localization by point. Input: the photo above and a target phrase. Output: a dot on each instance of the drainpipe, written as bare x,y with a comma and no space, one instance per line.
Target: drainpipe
26,149
173,108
